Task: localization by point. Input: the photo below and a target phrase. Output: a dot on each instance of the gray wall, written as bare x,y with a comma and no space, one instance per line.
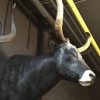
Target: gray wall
63,90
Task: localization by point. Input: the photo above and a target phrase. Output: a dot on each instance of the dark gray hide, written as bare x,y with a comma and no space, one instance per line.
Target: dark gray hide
29,78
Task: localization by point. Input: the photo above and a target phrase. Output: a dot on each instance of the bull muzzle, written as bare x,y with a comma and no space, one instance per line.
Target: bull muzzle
87,78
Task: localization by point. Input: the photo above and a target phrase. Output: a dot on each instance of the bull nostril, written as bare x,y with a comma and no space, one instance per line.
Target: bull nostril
92,76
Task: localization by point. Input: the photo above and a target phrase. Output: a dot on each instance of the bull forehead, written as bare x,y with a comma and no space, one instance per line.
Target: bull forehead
70,46
72,49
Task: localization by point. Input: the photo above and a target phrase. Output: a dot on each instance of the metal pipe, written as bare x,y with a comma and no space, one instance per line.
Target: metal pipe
43,11
82,24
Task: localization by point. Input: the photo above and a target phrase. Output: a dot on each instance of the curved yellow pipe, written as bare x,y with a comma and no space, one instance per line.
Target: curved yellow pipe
82,23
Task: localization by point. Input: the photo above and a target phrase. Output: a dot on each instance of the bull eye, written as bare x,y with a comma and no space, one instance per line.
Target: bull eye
72,54
70,57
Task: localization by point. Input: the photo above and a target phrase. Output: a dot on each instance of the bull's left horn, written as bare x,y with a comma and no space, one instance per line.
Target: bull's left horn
86,45
59,21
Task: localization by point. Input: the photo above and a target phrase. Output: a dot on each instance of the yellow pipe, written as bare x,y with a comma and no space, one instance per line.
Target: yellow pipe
82,23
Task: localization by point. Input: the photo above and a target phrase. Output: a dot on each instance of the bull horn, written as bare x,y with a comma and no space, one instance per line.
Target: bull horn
59,21
86,45
12,34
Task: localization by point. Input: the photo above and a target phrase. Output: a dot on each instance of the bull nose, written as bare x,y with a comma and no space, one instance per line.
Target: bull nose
87,78
92,76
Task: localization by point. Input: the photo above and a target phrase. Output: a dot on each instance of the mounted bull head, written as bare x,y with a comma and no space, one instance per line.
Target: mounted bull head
76,63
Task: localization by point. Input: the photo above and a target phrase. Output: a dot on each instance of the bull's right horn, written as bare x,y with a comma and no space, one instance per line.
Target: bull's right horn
86,45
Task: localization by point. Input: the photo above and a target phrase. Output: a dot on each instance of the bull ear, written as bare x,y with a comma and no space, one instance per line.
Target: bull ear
86,45
59,22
